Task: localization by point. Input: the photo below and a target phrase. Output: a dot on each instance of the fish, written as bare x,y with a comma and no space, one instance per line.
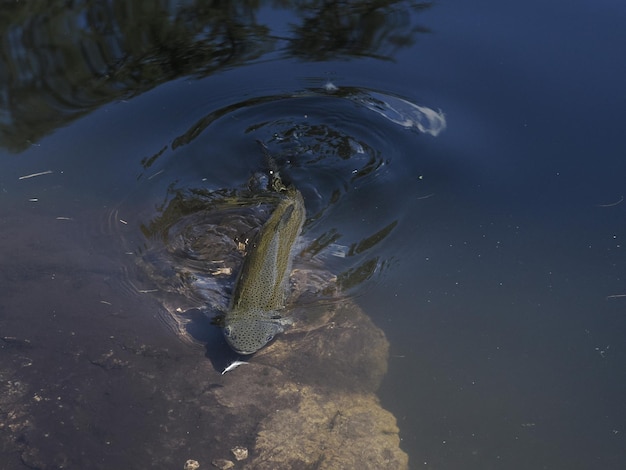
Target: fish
254,317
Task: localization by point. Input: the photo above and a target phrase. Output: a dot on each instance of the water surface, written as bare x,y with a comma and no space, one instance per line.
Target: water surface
489,250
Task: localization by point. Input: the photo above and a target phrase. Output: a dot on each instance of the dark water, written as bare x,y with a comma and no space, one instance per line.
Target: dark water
490,252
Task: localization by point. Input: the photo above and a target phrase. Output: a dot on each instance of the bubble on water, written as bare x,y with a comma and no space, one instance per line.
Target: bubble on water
330,87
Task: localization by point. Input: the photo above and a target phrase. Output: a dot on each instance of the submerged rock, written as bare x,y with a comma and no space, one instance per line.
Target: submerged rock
240,453
222,464
349,431
307,399
329,416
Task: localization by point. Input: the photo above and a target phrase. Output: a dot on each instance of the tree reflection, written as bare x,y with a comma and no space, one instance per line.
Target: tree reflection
64,62
352,29
60,62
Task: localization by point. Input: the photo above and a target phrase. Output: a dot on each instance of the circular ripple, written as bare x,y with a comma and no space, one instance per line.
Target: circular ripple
198,201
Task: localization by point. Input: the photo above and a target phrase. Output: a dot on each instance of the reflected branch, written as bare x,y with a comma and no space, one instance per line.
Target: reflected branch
63,61
332,29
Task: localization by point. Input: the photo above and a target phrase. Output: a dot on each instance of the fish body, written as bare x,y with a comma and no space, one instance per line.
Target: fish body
261,288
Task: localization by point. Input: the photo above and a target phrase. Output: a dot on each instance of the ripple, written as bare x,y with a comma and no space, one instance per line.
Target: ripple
198,202
403,112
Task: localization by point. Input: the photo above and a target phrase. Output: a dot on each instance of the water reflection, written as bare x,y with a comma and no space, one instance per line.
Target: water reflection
354,29
60,63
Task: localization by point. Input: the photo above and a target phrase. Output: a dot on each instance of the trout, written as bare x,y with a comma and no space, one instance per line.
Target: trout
261,289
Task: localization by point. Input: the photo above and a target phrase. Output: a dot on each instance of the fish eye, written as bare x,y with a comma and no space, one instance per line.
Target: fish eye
269,338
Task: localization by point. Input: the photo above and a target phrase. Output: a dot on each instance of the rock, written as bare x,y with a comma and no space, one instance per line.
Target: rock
347,431
191,465
308,399
222,464
335,346
240,453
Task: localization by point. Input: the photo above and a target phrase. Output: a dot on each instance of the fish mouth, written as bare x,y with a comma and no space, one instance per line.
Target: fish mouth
245,353
239,351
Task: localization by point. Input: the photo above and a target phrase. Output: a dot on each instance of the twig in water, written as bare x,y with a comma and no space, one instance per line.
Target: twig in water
25,177
615,296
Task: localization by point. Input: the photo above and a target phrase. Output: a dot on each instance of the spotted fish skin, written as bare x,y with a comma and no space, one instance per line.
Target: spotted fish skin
254,317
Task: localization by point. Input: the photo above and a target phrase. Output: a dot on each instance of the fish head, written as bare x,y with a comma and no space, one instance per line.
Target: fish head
249,335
